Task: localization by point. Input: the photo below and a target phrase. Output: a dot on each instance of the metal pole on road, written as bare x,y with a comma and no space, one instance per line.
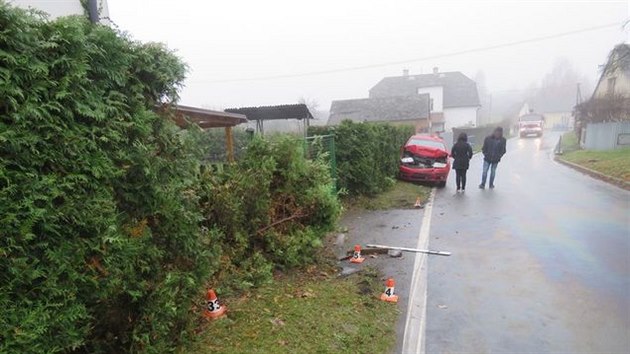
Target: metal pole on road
417,250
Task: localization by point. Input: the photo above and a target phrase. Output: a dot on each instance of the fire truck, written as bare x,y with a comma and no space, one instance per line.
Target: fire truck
531,124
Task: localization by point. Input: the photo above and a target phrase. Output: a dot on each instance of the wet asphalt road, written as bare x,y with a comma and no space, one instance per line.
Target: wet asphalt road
540,264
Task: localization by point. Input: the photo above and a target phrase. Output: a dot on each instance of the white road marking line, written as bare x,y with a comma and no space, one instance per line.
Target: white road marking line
415,324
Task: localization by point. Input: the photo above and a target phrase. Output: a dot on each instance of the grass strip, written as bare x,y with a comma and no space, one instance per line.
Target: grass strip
302,313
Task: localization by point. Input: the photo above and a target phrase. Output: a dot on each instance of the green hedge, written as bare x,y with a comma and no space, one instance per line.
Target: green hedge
100,248
108,232
272,209
367,154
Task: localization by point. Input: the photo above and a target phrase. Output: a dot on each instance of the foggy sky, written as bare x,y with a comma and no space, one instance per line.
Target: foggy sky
235,39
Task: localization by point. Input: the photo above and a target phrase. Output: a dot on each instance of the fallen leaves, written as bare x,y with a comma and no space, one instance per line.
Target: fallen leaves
305,294
277,322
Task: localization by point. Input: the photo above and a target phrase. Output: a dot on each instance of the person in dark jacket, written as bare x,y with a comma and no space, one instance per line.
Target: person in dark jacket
461,153
493,150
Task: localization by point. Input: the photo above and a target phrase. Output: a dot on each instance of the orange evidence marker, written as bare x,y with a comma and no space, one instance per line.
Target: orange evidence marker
356,256
417,205
388,295
213,310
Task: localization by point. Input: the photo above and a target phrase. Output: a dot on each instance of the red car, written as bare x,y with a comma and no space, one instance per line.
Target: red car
424,158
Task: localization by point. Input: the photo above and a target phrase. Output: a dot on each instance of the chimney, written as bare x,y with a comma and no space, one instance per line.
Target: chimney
435,69
405,72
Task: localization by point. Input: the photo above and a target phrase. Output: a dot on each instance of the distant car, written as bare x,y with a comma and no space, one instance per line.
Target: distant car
531,124
424,158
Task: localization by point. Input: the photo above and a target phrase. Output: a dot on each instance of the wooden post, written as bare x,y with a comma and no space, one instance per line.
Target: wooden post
229,144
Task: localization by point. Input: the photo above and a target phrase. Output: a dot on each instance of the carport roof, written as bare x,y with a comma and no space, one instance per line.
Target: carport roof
286,111
206,118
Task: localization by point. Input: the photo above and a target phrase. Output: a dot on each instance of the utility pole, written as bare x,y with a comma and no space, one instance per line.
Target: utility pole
93,10
578,98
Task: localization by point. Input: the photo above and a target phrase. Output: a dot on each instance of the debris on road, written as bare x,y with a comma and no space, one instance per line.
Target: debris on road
367,252
346,271
417,250
341,238
394,253
443,307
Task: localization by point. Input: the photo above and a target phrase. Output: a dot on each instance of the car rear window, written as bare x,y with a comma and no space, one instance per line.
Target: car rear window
427,143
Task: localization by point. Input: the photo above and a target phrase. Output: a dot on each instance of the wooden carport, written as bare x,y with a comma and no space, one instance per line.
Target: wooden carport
206,118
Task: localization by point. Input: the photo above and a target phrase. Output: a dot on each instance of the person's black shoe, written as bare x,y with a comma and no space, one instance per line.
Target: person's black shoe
481,186
492,186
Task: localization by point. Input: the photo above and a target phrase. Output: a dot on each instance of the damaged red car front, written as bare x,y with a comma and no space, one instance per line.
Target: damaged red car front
424,158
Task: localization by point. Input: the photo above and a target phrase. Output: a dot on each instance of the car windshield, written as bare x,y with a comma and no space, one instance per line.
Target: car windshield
426,143
531,118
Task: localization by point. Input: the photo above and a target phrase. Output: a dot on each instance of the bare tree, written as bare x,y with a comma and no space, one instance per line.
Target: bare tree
557,90
310,103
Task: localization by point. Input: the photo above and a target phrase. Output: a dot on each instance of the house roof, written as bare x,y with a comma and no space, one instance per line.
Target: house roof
287,111
380,109
205,118
459,90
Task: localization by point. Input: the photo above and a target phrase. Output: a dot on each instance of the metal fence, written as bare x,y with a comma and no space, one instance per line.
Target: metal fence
476,135
606,136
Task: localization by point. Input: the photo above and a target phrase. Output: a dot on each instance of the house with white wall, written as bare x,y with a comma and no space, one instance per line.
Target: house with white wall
454,100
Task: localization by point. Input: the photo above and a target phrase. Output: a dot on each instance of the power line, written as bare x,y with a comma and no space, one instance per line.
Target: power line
532,89
430,57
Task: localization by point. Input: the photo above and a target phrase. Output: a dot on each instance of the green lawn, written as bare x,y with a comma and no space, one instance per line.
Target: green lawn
314,313
401,196
615,163
570,142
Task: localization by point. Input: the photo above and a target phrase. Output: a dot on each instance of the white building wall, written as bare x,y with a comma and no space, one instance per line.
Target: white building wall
58,8
459,116
436,94
622,84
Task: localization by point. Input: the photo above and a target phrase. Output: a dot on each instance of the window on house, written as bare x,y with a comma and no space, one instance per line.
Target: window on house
611,85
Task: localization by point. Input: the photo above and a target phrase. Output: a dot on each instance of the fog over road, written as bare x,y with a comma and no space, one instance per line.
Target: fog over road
540,264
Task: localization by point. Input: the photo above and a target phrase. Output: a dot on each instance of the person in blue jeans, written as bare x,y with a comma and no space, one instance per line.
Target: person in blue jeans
493,149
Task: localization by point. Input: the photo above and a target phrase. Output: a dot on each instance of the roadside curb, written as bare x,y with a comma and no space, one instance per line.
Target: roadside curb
598,175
